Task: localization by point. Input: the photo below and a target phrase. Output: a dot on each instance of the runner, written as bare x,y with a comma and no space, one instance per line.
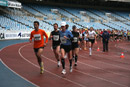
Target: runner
67,26
80,39
39,44
66,46
75,45
125,35
85,39
128,35
55,36
91,38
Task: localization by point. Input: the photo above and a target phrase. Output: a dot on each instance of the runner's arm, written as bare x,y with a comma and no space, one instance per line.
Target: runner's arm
31,36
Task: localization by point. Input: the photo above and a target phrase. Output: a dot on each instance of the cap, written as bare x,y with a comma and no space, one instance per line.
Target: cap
63,23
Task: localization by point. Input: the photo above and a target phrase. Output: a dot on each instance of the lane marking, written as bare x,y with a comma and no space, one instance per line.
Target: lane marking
108,63
47,70
90,74
13,70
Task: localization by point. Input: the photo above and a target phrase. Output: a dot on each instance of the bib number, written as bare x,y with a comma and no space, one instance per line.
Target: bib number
37,37
55,37
63,40
75,39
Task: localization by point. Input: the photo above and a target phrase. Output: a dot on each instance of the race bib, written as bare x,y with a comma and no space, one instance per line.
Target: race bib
63,40
75,39
91,36
55,37
37,37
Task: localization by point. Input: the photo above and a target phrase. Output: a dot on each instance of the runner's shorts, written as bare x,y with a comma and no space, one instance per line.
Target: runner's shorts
36,49
67,48
74,46
91,40
55,46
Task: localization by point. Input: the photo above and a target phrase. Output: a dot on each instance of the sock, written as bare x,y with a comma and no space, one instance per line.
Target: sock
41,64
70,62
73,57
90,49
39,61
63,63
76,58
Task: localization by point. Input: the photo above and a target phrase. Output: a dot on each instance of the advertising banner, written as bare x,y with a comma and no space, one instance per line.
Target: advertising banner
17,35
3,3
14,4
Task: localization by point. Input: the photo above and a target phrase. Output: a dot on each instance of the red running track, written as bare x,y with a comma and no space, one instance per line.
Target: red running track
99,70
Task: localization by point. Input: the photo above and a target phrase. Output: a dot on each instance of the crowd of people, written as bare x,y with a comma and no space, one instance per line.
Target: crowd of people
68,43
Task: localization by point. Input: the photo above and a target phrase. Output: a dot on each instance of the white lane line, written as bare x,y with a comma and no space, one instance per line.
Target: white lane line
83,73
108,63
18,74
89,74
102,68
47,70
11,69
111,60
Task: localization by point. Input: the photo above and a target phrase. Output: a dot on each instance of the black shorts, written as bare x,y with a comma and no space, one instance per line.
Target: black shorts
111,35
119,35
80,39
75,46
67,48
55,46
115,34
91,40
36,49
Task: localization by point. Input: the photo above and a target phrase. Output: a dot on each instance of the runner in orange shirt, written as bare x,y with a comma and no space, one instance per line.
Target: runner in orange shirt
39,44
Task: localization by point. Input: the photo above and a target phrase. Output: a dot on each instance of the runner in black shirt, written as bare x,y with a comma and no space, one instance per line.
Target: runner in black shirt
56,42
75,45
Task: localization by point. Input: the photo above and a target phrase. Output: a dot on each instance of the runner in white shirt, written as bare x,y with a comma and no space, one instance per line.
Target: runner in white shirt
92,39
85,39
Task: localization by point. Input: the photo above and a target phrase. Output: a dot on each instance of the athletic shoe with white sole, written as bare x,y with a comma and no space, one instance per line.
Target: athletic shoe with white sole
58,64
71,69
90,53
63,71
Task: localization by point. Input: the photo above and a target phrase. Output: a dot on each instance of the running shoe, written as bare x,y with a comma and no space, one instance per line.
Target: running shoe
71,69
63,71
75,64
58,64
90,53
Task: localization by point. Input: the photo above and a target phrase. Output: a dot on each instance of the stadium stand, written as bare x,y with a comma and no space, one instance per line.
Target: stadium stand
22,19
